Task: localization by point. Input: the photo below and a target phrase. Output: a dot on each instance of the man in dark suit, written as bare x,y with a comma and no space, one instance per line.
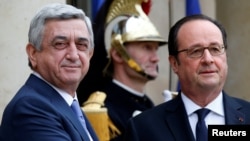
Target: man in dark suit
197,54
59,49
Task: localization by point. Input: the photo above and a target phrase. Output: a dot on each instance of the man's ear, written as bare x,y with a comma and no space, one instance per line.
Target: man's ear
31,52
174,63
115,55
91,52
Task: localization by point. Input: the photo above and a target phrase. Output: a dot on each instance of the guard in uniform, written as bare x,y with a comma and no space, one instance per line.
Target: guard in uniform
131,43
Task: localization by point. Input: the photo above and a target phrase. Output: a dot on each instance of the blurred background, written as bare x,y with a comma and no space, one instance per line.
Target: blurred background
233,14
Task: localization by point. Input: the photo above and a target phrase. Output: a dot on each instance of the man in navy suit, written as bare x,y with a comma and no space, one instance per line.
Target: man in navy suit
59,50
197,53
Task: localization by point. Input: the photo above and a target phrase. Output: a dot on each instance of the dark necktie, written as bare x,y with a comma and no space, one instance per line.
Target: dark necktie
201,128
77,110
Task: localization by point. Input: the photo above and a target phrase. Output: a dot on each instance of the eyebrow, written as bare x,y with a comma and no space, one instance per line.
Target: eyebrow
59,37
65,38
199,45
83,39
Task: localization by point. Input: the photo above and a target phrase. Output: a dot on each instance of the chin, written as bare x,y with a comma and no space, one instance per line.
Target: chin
151,77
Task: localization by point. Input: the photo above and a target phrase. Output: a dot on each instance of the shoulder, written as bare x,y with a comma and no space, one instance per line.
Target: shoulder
154,113
231,100
236,105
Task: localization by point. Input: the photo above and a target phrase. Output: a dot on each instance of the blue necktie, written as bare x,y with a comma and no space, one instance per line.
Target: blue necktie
201,128
77,110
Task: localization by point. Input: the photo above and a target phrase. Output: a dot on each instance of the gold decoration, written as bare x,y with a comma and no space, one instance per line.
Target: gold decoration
98,116
125,7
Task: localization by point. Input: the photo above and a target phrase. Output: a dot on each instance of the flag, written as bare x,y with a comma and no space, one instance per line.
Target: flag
96,4
192,7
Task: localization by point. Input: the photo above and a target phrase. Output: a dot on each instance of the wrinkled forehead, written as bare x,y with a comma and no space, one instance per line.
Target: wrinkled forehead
76,25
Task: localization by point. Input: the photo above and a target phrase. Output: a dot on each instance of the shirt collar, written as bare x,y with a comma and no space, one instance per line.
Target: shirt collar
215,106
66,96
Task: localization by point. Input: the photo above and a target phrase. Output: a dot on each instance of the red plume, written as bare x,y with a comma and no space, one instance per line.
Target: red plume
146,6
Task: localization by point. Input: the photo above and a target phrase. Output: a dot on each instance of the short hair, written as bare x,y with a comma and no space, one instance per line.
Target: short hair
55,11
172,38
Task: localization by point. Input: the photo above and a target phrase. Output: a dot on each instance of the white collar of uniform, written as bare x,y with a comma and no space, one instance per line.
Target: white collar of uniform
216,106
128,88
66,96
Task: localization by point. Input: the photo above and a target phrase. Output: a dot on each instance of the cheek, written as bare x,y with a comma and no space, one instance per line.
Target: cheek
186,70
188,66
135,54
139,56
47,64
85,58
223,66
221,62
55,60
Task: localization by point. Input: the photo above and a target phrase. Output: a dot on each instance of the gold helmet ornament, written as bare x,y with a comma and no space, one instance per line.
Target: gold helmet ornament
127,22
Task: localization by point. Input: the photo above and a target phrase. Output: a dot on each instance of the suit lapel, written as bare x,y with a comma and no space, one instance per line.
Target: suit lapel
232,111
59,103
177,120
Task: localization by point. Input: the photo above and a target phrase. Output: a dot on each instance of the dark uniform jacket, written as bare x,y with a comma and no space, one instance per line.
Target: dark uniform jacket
122,104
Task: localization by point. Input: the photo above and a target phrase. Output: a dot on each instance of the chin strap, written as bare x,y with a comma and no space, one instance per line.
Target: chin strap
118,45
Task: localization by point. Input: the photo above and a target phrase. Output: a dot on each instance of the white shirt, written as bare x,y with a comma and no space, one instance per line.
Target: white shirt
216,115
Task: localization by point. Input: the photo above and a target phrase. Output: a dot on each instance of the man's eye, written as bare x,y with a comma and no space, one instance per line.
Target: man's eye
214,49
60,45
146,47
196,50
82,46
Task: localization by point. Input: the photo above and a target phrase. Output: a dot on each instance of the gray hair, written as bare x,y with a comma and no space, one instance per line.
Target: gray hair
55,11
